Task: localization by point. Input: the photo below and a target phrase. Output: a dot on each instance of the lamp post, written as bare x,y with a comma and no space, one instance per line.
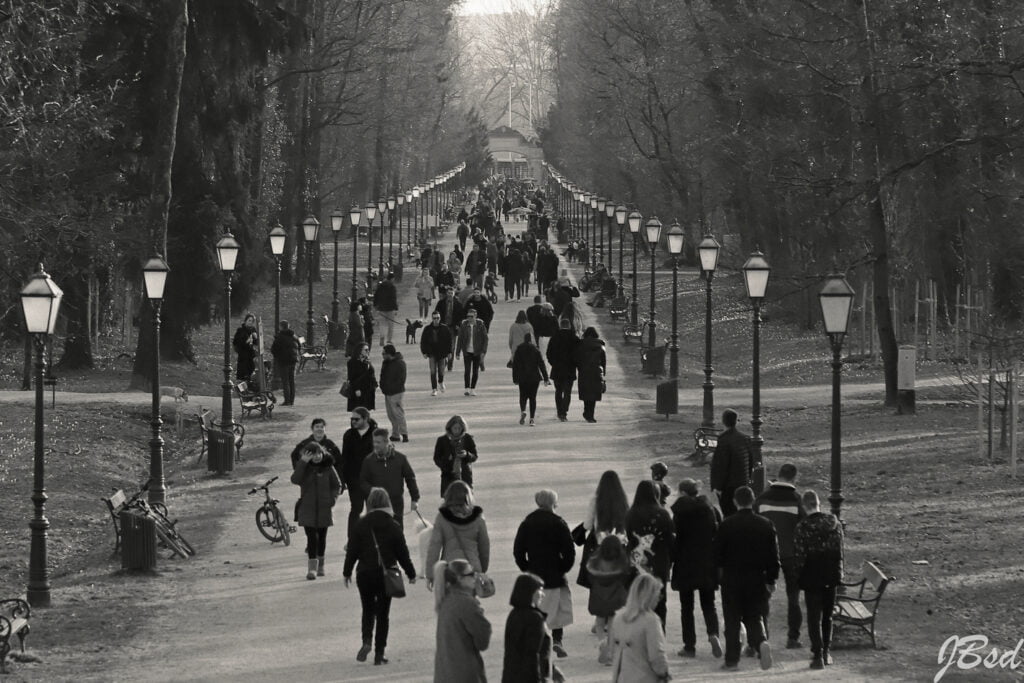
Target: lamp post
416,215
592,201
602,203
609,213
432,209
653,228
278,238
40,303
155,275
371,213
675,247
310,232
635,219
392,203
836,299
708,250
337,220
620,217
382,206
227,255
355,214
755,276
577,197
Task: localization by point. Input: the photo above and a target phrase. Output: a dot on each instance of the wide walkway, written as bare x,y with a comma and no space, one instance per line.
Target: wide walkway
249,614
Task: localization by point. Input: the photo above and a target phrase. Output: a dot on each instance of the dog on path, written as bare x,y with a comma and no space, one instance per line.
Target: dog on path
410,330
177,393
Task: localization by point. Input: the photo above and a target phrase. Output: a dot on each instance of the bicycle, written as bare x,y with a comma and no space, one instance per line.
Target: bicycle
269,518
166,530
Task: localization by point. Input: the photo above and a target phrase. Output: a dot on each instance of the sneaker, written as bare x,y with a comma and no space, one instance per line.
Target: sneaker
731,667
379,659
532,423
472,392
827,657
748,651
434,392
794,644
817,662
522,418
559,651
765,651
688,652
716,646
363,652
442,387
466,392
405,438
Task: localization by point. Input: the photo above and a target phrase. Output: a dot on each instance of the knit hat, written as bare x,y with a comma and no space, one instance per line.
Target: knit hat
389,349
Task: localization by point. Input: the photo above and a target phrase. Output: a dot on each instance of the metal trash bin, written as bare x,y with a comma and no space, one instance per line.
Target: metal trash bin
221,457
652,360
667,398
138,541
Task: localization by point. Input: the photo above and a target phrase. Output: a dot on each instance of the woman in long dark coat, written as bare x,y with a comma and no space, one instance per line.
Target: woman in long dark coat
528,369
454,453
362,380
355,331
591,364
651,537
246,345
319,488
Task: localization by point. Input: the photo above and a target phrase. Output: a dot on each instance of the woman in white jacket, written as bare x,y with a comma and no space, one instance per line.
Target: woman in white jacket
636,637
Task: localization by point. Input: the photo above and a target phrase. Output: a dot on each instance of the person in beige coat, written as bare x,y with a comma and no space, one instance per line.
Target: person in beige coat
636,637
460,530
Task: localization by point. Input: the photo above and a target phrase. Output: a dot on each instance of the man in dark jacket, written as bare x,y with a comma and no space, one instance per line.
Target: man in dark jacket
392,385
285,351
780,503
356,444
731,464
462,232
561,294
483,307
436,346
385,301
543,546
390,470
472,341
476,266
693,567
818,547
319,435
747,557
561,355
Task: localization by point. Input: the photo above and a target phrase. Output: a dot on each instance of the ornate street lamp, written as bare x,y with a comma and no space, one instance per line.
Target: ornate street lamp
675,247
609,213
755,276
620,217
371,213
40,303
155,275
382,206
653,229
227,256
708,250
634,220
355,214
337,221
278,237
392,203
310,232
592,201
408,220
417,217
602,204
836,299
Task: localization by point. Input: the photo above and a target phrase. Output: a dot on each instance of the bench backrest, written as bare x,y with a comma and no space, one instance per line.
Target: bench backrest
875,576
117,501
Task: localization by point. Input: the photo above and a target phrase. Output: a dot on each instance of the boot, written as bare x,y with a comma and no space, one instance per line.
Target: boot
320,566
311,571
364,651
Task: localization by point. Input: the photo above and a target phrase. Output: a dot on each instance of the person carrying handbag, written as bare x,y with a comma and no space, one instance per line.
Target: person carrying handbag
376,544
460,531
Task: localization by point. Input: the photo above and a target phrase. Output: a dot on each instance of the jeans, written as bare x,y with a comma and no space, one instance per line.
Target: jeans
424,306
396,413
707,607
794,617
743,600
528,393
820,603
436,371
287,371
472,362
563,396
376,608
357,500
388,325
316,541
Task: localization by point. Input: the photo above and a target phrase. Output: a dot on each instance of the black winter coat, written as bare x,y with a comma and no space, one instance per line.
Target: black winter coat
390,540
562,355
326,444
285,348
354,449
590,364
436,342
392,376
444,458
544,547
362,378
746,550
731,464
527,647
319,488
385,298
651,540
818,542
246,345
695,525
528,367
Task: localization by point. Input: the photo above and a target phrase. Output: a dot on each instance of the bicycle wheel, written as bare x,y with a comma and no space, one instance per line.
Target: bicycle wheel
180,540
266,522
282,526
169,542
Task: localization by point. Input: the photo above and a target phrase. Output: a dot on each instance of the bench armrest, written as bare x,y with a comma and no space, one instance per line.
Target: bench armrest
16,608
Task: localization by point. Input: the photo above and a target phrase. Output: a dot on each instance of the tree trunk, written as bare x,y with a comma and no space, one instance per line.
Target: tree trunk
77,352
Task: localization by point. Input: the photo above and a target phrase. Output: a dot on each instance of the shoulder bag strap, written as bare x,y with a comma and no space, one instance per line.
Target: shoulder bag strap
380,560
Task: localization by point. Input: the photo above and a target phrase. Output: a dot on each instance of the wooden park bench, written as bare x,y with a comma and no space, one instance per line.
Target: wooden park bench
861,609
115,504
250,400
315,353
618,308
206,423
705,439
14,616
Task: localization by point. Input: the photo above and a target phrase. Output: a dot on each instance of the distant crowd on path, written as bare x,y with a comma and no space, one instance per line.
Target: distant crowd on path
631,553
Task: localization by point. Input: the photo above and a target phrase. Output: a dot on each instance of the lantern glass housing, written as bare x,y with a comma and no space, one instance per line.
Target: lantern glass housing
653,228
416,192
755,275
609,209
675,239
371,211
155,275
635,219
337,220
392,202
836,299
593,201
310,228
620,215
382,205
355,214
601,203
40,303
278,237
227,252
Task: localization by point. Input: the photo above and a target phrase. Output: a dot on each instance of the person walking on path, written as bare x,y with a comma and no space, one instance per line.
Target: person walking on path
391,471
637,637
356,445
483,307
362,380
562,357
528,370
463,631
377,543
449,308
392,385
819,557
462,232
747,557
651,537
476,266
543,546
424,288
319,488
693,568
516,331
527,637
318,435
606,515
454,453
591,364
355,331
611,574
246,345
285,350
436,346
780,503
460,530
472,342
385,300
541,317
731,464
